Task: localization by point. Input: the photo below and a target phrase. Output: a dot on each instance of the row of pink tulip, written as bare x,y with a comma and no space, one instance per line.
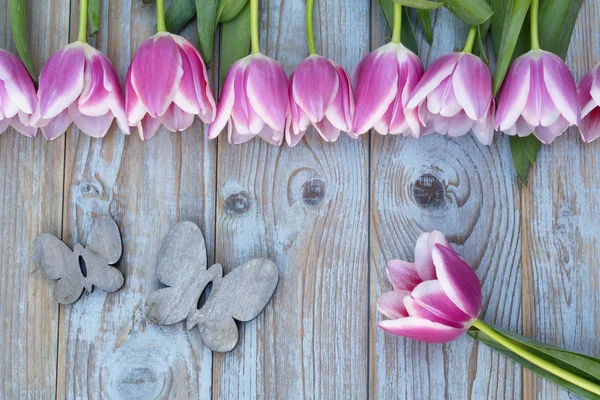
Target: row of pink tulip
167,84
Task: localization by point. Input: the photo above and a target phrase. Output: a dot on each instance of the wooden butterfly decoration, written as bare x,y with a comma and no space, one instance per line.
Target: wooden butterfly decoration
82,268
240,295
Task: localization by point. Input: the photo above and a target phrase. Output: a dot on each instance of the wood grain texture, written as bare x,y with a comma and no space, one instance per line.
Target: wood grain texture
561,240
305,208
107,347
31,180
467,191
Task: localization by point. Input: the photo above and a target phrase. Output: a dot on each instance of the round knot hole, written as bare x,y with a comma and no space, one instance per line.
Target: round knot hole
237,204
313,192
429,192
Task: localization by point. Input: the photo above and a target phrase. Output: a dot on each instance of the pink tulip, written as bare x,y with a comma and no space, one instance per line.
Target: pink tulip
79,84
17,95
436,298
254,101
321,95
455,96
588,90
167,83
384,81
538,96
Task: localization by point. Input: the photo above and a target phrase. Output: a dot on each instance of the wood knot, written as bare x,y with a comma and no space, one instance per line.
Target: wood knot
89,190
313,192
237,204
429,192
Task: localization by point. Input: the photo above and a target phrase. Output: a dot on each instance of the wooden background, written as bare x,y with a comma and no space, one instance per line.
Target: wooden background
329,215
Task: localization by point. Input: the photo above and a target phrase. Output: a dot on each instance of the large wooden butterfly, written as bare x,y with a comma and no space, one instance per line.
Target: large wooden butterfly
82,268
240,295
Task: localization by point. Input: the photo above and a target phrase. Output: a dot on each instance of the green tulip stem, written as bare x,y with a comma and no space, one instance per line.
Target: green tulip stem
470,40
397,29
160,16
83,17
254,38
536,360
310,34
534,15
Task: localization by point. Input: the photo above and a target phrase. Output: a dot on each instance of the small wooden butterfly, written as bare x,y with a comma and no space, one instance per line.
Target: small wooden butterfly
240,295
82,268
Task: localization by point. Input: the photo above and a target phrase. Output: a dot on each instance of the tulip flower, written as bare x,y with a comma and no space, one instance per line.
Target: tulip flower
79,84
455,95
436,298
254,100
588,91
320,94
17,95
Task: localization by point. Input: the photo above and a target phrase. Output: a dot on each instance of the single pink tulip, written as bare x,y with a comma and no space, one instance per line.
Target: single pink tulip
167,83
18,100
588,90
436,298
538,96
321,95
455,96
384,81
254,101
79,84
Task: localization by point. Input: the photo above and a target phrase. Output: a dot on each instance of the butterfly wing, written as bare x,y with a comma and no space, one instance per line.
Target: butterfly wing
105,240
102,275
242,295
181,265
59,263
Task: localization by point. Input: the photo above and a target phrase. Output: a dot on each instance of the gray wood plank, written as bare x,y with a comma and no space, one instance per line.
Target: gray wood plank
108,349
467,191
305,208
31,180
561,277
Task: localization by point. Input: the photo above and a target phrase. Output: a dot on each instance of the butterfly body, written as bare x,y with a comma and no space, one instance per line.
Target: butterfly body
240,295
82,268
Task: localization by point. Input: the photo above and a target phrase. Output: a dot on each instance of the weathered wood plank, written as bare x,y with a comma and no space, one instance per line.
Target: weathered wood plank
561,278
306,209
108,349
31,181
467,191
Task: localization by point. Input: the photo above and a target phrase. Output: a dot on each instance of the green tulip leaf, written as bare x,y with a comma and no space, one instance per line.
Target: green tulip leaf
471,12
179,14
507,22
557,22
229,9
421,4
425,19
408,34
584,366
206,12
235,41
17,10
94,9
524,153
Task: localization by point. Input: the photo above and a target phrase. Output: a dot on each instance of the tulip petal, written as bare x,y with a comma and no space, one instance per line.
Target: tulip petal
460,125
423,254
57,125
459,281
93,101
226,101
8,108
271,136
315,86
148,127
472,84
595,85
377,88
92,126
134,107
328,132
442,100
561,86
421,329
431,296
513,94
4,124
590,126
437,72
540,109
235,137
341,111
484,128
584,88
403,275
61,80
175,119
267,92
19,85
391,304
26,130
547,134
156,73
